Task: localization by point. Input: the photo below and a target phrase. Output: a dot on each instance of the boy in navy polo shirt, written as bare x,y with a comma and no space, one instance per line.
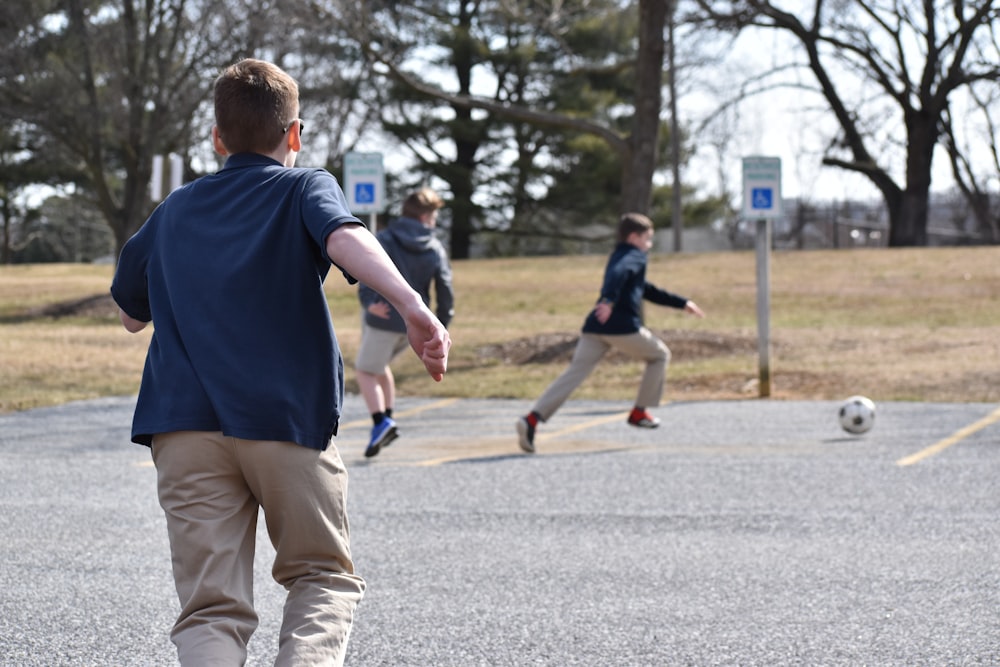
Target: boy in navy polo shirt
243,382
616,322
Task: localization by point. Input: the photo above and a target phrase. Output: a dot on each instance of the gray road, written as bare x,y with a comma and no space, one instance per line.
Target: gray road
739,533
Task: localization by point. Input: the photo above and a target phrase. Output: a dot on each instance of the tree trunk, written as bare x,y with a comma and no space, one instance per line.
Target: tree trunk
910,225
5,247
642,156
463,211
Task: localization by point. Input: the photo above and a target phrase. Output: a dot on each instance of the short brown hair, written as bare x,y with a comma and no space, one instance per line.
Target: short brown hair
254,102
633,223
421,202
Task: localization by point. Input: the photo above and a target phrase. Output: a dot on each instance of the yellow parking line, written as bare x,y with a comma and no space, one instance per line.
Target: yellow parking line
443,403
958,436
430,463
542,437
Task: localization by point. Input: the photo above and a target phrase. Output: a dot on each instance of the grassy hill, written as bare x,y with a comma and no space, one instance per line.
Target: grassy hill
898,324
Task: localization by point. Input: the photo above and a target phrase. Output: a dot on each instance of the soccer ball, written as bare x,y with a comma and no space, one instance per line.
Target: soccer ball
857,414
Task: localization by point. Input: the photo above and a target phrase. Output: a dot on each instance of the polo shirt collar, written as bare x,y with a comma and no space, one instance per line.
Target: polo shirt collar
240,160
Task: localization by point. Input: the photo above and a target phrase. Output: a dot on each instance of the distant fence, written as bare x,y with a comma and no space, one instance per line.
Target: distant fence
852,225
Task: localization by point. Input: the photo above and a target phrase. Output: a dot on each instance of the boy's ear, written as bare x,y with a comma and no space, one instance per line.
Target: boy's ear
220,147
295,139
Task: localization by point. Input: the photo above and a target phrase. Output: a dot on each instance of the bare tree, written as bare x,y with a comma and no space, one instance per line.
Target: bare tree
339,100
970,178
915,55
114,83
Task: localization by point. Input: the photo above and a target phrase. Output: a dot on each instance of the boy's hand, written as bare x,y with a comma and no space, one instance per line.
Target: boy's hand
602,311
431,341
692,307
379,309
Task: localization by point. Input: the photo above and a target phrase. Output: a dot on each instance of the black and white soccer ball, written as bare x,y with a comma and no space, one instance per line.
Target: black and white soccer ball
857,414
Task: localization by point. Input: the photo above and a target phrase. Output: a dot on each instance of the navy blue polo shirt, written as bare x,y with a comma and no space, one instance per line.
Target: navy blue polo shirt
230,270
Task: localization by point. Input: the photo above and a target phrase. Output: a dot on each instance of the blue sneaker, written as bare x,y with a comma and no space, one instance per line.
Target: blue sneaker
383,434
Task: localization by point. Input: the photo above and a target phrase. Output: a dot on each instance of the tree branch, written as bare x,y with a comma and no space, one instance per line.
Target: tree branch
510,112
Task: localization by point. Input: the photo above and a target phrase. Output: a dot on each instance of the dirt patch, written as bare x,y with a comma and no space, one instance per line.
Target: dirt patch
810,364
97,306
558,347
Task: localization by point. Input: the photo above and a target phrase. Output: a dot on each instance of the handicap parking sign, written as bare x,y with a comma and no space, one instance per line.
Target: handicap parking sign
364,193
364,182
761,198
761,187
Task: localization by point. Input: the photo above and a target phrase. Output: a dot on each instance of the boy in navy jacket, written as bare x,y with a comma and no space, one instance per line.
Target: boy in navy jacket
616,322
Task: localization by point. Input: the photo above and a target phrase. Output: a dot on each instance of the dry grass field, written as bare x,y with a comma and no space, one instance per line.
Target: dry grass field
900,324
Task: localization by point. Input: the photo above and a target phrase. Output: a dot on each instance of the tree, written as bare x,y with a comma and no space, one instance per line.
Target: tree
566,186
64,228
637,147
915,56
447,39
970,179
114,83
26,165
339,101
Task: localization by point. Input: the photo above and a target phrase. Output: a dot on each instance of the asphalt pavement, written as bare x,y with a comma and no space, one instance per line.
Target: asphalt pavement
739,533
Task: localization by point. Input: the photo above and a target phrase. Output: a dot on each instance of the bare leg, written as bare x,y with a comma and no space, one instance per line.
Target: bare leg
372,390
387,383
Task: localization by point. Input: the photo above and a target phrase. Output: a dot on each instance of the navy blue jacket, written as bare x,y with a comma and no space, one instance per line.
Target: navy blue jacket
625,287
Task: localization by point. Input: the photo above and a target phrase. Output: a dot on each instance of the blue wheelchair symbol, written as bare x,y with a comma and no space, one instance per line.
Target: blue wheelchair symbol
364,193
762,198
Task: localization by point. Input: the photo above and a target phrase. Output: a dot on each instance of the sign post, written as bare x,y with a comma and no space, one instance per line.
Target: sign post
167,175
762,202
364,184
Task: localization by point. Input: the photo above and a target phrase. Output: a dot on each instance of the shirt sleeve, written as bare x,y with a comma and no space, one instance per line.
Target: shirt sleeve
324,209
128,287
662,297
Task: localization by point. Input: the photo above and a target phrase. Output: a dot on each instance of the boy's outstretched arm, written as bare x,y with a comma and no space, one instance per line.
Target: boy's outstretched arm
355,250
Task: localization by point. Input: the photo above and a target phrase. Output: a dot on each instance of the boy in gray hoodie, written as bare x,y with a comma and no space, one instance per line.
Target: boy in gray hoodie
410,242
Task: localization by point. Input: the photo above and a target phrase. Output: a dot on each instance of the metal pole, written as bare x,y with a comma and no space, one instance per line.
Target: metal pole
764,305
675,135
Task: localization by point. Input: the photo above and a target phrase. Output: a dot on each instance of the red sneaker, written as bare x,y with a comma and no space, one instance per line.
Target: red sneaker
643,419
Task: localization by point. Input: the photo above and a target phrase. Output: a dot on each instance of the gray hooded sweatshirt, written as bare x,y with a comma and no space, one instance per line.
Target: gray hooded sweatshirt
422,260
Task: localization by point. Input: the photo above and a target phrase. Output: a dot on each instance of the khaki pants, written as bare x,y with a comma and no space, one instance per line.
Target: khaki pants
590,349
210,487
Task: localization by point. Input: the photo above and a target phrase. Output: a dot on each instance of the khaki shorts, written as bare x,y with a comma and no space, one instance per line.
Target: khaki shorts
378,348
